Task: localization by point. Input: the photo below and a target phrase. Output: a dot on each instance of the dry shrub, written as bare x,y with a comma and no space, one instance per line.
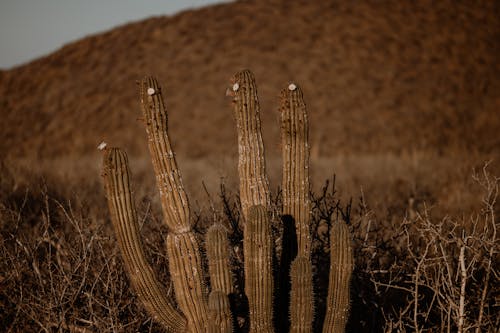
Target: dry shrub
61,271
442,274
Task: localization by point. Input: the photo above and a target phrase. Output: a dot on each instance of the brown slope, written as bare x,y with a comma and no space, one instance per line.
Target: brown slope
381,76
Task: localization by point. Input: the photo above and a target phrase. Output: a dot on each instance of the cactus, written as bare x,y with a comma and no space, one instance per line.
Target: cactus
182,247
257,248
217,246
255,199
200,314
295,150
116,176
220,313
301,298
296,202
254,186
341,266
173,198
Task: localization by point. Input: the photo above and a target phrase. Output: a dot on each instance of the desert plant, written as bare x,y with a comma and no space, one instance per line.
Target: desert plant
200,311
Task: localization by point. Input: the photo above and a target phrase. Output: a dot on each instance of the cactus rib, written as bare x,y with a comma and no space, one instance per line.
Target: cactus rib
116,176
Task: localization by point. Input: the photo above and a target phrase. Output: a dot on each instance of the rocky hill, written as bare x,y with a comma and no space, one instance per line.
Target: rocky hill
377,76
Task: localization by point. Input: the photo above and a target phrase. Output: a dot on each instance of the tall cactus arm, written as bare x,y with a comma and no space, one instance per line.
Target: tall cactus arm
341,267
116,176
301,298
217,246
182,246
254,185
257,248
173,198
295,150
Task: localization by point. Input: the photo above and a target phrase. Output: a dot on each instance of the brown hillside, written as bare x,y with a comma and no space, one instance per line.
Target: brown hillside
377,76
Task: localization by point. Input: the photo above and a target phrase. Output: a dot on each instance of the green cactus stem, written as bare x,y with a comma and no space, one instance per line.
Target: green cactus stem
341,267
217,245
295,150
257,248
116,176
254,186
220,313
301,298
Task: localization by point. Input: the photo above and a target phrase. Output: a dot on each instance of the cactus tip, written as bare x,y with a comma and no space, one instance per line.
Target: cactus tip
236,86
151,91
292,87
102,146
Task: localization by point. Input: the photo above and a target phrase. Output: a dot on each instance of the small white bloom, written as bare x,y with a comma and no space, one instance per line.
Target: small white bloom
151,91
236,86
102,145
292,87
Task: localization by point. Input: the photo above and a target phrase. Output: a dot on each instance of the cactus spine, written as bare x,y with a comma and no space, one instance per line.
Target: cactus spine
218,259
116,176
182,247
341,266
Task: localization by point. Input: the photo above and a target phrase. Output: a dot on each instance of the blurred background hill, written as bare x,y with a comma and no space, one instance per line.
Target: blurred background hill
379,78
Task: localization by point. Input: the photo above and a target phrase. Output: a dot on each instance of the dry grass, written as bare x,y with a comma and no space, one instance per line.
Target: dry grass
61,269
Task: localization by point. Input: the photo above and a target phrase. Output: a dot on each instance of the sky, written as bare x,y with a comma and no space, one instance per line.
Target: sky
33,28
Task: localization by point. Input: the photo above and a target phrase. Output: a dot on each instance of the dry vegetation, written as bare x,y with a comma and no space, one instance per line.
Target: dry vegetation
61,269
403,102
